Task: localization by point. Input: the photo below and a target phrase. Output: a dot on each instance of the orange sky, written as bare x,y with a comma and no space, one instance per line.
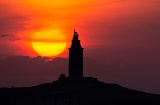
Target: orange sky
39,15
23,18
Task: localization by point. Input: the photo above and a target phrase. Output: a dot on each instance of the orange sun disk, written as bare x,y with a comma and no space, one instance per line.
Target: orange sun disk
49,43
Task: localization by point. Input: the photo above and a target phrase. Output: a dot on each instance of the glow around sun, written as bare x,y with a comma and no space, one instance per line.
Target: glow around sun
49,43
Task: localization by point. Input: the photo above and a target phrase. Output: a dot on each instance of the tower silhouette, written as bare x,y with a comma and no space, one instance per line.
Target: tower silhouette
75,58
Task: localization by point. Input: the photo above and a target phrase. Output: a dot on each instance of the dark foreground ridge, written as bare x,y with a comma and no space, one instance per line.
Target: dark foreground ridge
84,91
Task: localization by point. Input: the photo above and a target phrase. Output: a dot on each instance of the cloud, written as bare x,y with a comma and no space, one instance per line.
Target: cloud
5,35
136,72
16,39
11,37
11,23
15,70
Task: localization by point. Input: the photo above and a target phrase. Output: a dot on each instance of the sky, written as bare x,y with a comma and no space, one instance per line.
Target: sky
119,36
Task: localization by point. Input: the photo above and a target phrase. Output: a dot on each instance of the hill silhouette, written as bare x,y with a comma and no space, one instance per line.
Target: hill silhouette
84,91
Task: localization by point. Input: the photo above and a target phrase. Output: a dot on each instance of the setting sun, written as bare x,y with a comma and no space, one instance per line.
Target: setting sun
49,43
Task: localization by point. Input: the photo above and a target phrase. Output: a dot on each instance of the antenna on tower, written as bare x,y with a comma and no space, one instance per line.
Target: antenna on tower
75,33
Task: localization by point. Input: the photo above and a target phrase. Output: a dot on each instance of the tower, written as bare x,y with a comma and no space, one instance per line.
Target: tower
75,58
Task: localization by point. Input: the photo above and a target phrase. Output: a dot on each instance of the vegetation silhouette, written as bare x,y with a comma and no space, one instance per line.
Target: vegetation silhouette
76,89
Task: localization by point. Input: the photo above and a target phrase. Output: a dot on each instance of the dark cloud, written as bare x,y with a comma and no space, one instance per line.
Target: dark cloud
24,71
11,37
5,35
16,39
129,70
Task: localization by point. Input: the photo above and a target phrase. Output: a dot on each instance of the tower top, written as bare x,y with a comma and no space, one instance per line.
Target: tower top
75,41
75,33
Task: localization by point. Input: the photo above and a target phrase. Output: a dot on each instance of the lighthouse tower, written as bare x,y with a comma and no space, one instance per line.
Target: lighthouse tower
75,58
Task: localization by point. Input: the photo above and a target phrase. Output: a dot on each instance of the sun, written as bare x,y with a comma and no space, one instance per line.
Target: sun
49,43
